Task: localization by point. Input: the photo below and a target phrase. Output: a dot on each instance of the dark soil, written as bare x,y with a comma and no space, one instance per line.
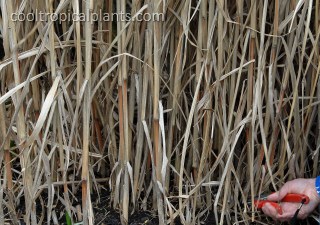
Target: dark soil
113,218
105,215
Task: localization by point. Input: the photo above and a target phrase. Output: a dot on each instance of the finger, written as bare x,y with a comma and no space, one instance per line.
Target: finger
289,209
269,210
277,196
290,214
305,211
274,197
283,218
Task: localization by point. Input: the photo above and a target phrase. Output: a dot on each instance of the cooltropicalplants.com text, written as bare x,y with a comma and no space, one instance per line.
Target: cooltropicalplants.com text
39,16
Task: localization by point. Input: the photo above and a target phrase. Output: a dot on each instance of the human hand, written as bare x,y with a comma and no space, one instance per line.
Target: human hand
298,186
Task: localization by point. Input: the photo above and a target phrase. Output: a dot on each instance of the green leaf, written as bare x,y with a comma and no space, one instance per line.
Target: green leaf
68,219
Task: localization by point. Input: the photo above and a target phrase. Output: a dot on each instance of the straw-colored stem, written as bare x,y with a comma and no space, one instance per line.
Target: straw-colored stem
157,28
176,85
317,56
6,147
21,126
251,73
86,116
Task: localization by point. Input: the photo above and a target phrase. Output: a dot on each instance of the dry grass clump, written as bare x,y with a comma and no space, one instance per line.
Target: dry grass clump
196,113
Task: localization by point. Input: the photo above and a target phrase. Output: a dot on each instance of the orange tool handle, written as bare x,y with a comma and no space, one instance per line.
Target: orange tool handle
260,203
295,198
298,198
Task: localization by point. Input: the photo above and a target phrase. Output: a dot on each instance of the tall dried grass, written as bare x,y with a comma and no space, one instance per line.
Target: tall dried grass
196,113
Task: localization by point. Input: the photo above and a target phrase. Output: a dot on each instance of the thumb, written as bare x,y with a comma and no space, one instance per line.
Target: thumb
277,196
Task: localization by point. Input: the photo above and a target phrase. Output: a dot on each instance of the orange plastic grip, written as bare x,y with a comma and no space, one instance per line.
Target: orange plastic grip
260,203
298,198
295,198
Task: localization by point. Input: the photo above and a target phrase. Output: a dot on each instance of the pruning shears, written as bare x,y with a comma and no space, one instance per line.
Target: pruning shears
294,198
